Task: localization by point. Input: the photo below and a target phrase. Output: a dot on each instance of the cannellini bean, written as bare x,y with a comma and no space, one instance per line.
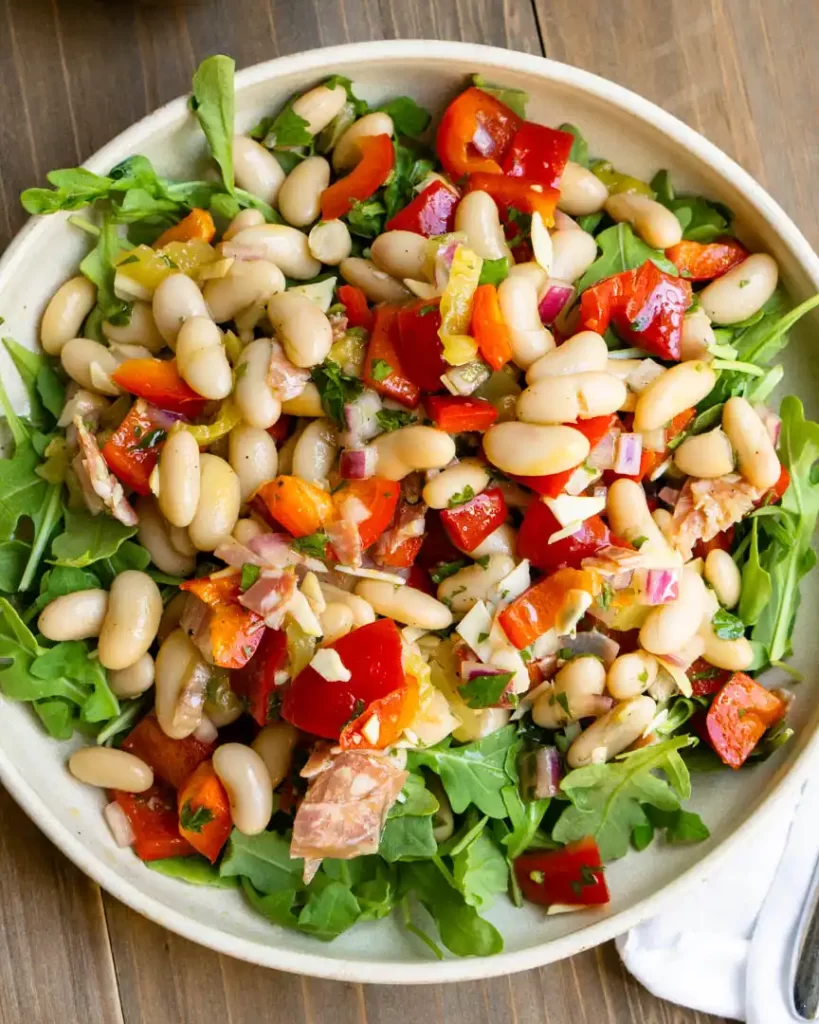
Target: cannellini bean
90,365
179,485
247,530
722,573
654,223
741,292
669,627
330,242
253,458
477,216
733,655
442,488
285,246
697,336
400,254
176,299
251,393
529,449
631,674
132,619
347,152
244,775
181,677
219,502
581,192
405,604
573,252
65,313
302,328
585,352
664,520
362,610
376,285
308,403
630,518
140,329
579,680
133,680
171,616
315,453
76,616
571,397
300,195
756,455
535,274
465,588
319,106
257,170
274,745
519,307
201,358
247,285
502,541
411,448
613,732
336,621
153,535
679,388
706,455
110,768
248,218
180,541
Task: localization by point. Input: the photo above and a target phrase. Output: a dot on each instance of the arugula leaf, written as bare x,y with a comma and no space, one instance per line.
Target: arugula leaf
407,116
727,626
515,99
415,799
680,826
411,167
314,544
87,539
622,250
73,189
336,388
484,691
14,555
755,595
701,220
393,419
194,870
250,573
212,101
579,153
194,819
408,838
329,912
284,130
366,218
99,267
481,871
60,717
264,860
45,390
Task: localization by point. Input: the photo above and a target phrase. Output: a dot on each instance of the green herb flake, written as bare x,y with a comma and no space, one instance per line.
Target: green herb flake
250,573
485,691
727,626
639,541
444,570
336,388
149,440
194,819
393,419
380,370
467,494
314,544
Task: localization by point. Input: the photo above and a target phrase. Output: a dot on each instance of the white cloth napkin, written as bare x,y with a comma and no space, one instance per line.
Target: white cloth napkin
727,947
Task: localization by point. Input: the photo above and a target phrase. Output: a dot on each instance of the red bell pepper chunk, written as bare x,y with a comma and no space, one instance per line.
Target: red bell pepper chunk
396,548
383,369
739,715
235,631
539,154
255,682
376,494
158,381
430,213
778,490
126,452
723,541
419,579
369,174
572,875
437,546
552,484
204,812
419,347
173,761
475,134
280,431
394,713
520,193
705,679
359,313
154,821
645,305
538,526
700,262
488,327
472,522
537,609
455,414
372,654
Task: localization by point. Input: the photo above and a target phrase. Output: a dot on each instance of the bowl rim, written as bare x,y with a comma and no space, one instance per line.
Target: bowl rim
361,970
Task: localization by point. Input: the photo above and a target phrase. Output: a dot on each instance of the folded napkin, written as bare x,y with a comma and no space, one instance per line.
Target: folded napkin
727,947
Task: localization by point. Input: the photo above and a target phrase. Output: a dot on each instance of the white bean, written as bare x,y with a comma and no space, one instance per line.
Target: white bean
308,403
415,447
253,458
405,604
247,285
110,768
756,455
274,745
133,680
248,218
319,106
176,299
336,621
679,388
573,252
249,787
219,502
179,478
706,455
733,655
629,517
697,336
347,152
741,292
257,170
529,449
722,573
65,313
247,530
132,619
300,195
477,216
181,677
285,246
254,399
400,254
153,535
180,541
613,732
330,242
301,327
315,452
535,274
465,588
631,674
171,616
519,307
76,616
654,223
585,352
579,680
201,358
571,397
376,285
140,329
581,192
90,365
502,541
669,627
470,473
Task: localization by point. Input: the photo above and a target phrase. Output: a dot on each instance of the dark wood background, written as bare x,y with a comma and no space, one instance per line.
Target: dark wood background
72,75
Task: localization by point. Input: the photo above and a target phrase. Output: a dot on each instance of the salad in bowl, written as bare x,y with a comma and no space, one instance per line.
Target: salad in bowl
401,513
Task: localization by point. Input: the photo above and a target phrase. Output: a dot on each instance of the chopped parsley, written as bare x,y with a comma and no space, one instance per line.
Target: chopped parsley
565,654
149,440
393,419
643,676
467,494
358,710
727,626
639,541
425,310
380,370
250,573
314,544
446,569
336,388
485,691
562,699
606,596
482,637
483,561
194,819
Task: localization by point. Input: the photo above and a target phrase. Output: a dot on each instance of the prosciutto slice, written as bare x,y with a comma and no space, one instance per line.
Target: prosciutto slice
101,480
707,507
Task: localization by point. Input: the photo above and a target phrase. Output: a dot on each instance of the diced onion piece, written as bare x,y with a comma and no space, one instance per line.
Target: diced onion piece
557,296
592,642
463,380
639,378
514,584
548,767
541,240
654,440
371,574
119,824
329,665
422,289
358,463
660,470
298,608
476,624
628,450
582,478
658,586
361,419
602,455
567,508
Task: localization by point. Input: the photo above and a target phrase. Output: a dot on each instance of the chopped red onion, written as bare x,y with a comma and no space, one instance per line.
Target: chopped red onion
773,424
361,417
659,586
558,295
592,642
443,261
163,418
358,463
471,669
548,765
602,455
628,450
669,495
119,824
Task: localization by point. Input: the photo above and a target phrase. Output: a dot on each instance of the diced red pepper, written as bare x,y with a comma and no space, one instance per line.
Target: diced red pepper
395,550
158,381
154,821
520,193
552,484
699,262
432,212
372,654
475,134
235,631
359,313
419,579
300,507
471,523
537,609
705,679
488,327
394,713
645,305
419,347
204,812
539,523
456,414
539,154
255,683
376,494
437,546
280,430
572,875
723,541
369,174
126,452
739,715
778,490
383,369
173,761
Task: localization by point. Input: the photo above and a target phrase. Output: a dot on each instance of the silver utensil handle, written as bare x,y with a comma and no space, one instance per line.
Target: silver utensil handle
806,976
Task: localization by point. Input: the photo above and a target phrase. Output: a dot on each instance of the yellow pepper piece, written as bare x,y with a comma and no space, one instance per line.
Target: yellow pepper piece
456,307
229,416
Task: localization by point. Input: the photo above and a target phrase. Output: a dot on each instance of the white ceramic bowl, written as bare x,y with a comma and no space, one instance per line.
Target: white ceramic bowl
638,137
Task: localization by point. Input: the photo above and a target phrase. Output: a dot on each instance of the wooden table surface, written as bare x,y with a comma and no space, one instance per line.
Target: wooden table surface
73,73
